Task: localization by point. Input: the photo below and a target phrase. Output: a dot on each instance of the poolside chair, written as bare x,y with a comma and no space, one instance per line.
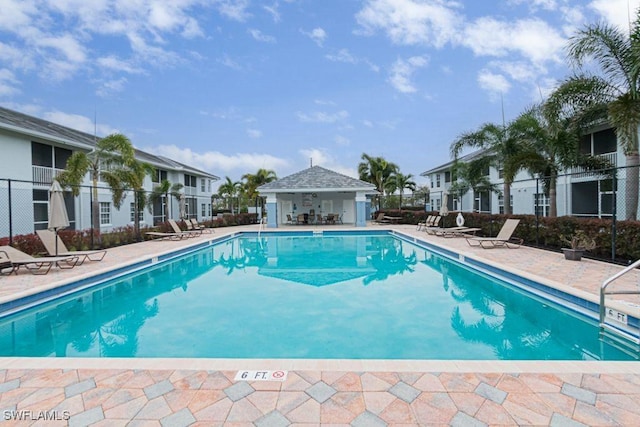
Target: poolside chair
48,239
456,231
40,265
431,229
426,223
201,227
5,264
159,235
300,219
289,219
381,219
501,240
188,233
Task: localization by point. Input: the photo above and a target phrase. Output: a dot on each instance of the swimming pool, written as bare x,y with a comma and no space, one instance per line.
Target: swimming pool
350,296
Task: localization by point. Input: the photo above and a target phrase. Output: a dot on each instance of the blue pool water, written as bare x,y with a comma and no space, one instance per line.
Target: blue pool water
343,296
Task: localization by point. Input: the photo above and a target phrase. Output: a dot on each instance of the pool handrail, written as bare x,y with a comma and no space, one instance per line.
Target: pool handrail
604,293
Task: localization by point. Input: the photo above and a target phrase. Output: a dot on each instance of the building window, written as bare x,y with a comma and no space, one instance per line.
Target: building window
438,180
447,177
202,184
209,210
431,182
191,207
189,181
132,216
501,203
204,210
159,176
541,204
482,201
209,186
105,213
500,173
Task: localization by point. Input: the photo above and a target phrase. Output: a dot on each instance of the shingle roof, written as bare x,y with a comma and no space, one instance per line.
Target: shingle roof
446,166
14,120
317,178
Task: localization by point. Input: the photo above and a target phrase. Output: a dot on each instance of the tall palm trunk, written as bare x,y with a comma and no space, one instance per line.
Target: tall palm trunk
631,185
507,197
95,208
553,203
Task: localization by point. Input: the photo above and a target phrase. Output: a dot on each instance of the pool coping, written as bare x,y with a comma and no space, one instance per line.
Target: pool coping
95,278
340,365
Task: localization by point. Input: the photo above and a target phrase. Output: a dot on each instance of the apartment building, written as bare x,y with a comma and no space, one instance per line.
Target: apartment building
35,151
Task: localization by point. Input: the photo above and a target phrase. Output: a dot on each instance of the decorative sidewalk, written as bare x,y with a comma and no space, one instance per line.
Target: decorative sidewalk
109,397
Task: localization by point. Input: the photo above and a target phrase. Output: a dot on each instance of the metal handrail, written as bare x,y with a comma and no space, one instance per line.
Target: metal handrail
603,288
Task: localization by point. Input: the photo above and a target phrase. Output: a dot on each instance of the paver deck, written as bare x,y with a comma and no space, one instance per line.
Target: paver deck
181,392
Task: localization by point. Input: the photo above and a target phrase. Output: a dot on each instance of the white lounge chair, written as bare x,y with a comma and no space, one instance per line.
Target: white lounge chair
48,239
503,239
188,233
40,265
198,226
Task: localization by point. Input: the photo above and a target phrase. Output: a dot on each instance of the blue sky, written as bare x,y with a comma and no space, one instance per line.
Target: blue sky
234,86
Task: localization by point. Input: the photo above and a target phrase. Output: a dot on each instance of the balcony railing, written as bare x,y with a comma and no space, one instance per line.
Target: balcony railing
580,172
44,175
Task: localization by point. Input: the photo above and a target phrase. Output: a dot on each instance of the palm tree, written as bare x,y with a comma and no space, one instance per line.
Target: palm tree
614,94
400,183
229,190
504,150
131,176
553,146
377,171
109,153
166,189
471,176
252,182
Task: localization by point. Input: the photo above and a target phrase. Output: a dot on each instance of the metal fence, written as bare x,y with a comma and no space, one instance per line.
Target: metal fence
603,199
24,208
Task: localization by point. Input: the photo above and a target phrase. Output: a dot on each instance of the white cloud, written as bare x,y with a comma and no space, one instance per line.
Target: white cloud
616,12
110,87
533,39
60,36
228,62
8,83
321,157
402,70
367,123
113,63
322,117
318,35
537,4
78,122
427,22
495,84
261,37
273,11
518,70
219,163
342,55
254,133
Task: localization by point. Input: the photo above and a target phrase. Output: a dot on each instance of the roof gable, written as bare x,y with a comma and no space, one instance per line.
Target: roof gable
317,178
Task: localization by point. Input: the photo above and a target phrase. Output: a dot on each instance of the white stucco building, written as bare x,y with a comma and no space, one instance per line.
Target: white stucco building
34,151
